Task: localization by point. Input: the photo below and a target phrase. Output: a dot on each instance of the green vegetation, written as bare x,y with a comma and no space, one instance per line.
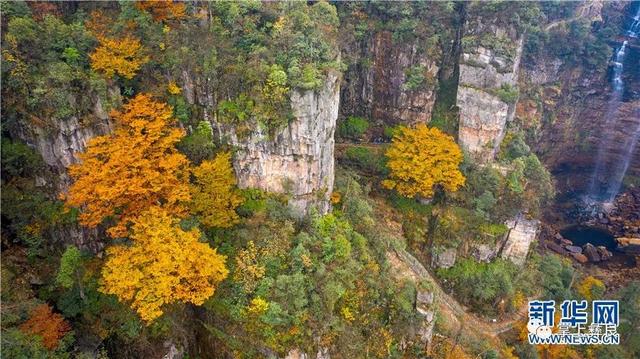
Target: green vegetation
508,94
480,285
415,78
314,282
353,128
365,159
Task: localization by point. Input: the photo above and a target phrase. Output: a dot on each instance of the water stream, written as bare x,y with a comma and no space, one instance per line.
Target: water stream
612,177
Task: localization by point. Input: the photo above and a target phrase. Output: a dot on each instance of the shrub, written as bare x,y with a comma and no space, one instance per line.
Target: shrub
481,284
364,159
353,127
414,78
508,94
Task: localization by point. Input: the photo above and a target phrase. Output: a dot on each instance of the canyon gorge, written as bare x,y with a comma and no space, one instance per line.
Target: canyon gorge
542,98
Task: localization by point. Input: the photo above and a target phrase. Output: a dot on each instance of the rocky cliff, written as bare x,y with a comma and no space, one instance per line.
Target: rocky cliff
296,160
58,142
487,94
567,107
376,82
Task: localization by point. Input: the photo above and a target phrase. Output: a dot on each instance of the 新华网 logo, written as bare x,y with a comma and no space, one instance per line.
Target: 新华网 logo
579,324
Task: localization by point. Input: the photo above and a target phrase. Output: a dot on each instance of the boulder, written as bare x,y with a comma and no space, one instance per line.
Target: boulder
556,248
581,258
483,253
566,242
604,253
446,259
629,245
558,237
573,249
591,252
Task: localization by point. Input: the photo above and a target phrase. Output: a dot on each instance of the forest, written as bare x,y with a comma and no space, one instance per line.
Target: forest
288,179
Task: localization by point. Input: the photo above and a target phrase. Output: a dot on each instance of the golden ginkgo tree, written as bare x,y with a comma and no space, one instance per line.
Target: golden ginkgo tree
163,264
420,158
136,182
137,166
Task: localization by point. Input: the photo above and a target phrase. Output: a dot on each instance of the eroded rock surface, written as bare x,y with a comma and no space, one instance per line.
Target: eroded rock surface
522,232
298,159
484,72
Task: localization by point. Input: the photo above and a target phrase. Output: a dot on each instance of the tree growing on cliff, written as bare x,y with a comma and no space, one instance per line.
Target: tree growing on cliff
163,264
214,196
163,10
118,56
122,174
421,158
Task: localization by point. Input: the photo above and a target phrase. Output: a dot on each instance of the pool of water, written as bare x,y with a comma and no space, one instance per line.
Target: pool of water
581,235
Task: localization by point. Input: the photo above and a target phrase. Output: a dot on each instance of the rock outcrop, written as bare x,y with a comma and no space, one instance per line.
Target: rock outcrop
629,245
521,233
444,259
58,142
487,87
375,85
298,159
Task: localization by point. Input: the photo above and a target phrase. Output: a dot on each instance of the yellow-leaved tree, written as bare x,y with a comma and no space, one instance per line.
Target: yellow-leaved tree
164,10
163,264
214,195
420,158
122,56
137,166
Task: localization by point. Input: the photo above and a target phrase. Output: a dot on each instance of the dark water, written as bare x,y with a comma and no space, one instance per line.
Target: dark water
581,235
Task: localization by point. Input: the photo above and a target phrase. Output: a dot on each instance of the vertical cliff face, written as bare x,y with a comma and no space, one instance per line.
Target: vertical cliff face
298,159
489,68
58,141
377,84
568,108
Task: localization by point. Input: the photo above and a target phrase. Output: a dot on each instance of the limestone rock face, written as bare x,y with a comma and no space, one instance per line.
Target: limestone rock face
424,307
483,118
446,259
59,143
522,233
483,72
298,159
483,252
378,91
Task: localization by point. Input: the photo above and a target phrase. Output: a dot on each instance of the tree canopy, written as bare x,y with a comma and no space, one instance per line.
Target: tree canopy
122,174
163,264
421,158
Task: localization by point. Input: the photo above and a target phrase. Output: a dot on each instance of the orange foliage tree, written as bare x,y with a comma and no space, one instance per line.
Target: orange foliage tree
214,196
163,10
122,174
164,264
122,56
46,324
420,158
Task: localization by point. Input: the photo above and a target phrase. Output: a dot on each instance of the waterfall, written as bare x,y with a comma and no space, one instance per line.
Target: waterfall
610,120
618,68
615,175
630,145
634,29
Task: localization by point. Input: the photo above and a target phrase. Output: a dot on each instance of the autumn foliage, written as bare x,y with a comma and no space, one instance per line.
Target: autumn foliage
421,158
163,10
214,196
118,56
163,264
122,174
45,323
